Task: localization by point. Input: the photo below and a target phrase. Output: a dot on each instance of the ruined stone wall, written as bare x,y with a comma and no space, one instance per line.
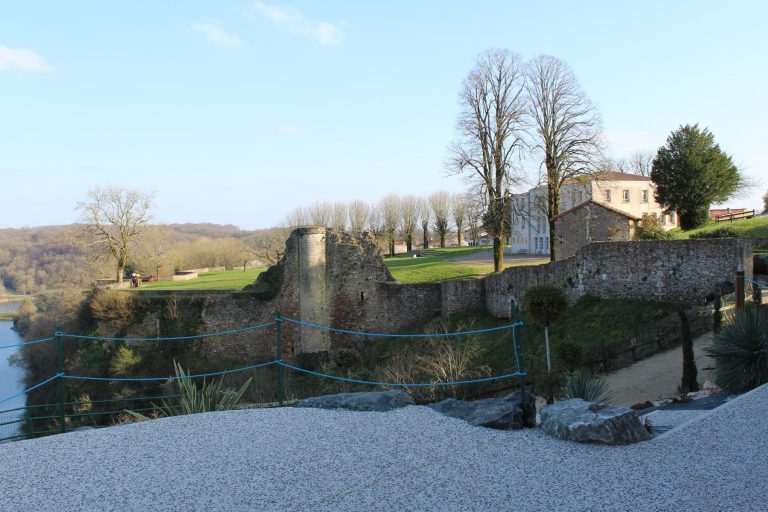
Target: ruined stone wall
682,271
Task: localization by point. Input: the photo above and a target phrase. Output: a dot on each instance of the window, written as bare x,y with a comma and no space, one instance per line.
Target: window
625,196
607,196
672,218
645,196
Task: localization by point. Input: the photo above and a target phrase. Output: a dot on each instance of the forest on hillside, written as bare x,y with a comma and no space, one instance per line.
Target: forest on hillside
37,259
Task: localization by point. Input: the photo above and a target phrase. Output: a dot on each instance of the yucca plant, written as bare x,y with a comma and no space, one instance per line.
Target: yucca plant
210,396
740,350
586,386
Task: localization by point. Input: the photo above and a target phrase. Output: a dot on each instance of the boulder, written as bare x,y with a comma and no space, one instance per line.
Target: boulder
513,411
378,401
587,422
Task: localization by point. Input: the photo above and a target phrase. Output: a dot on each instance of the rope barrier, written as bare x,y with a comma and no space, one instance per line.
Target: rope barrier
148,379
24,343
399,384
46,381
757,283
176,338
386,335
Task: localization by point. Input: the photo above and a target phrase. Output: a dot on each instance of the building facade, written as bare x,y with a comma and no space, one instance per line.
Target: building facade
628,193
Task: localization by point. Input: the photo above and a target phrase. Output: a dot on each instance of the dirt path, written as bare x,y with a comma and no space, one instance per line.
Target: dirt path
659,375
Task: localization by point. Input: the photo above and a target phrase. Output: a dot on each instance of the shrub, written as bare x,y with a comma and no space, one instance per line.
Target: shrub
586,386
722,232
651,228
107,305
545,303
210,396
570,354
740,350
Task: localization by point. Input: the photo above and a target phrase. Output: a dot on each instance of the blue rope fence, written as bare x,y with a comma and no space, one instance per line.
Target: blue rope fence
756,283
277,362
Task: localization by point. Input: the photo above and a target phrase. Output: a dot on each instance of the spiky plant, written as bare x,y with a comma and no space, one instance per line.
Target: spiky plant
210,396
586,386
740,350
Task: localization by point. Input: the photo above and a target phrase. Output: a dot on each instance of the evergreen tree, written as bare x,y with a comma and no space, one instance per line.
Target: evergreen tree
691,172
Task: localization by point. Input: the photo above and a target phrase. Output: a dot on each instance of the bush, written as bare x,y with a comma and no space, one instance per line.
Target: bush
740,350
722,232
651,228
107,305
586,386
545,303
570,354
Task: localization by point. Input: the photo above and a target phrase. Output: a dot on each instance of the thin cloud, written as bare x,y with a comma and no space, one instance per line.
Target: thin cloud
22,59
216,36
291,20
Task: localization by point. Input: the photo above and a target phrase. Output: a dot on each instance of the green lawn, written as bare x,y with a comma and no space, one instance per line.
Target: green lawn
748,228
440,265
227,280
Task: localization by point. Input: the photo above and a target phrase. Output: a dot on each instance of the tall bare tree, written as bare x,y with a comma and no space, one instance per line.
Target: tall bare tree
424,215
440,203
358,213
409,217
490,134
339,217
641,162
320,213
114,218
566,130
389,207
475,217
298,217
460,208
268,245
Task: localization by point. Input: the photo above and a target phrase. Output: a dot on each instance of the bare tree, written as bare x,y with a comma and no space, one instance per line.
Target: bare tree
339,217
439,202
390,216
490,128
640,163
298,217
358,213
566,130
268,245
409,217
424,215
460,208
320,214
114,218
475,217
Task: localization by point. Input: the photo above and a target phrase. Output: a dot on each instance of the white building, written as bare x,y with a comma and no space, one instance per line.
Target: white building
629,193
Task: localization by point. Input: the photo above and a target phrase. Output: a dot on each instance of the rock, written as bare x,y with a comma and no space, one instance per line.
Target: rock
504,413
378,401
585,422
83,428
642,405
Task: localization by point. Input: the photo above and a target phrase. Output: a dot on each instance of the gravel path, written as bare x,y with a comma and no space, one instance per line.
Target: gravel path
487,257
659,375
410,459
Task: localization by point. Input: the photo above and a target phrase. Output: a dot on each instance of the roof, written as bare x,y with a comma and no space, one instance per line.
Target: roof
601,205
620,176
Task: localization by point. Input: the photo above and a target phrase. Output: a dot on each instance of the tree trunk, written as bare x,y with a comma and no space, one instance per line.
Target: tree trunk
688,382
426,237
442,239
553,208
391,246
498,254
546,345
458,234
409,243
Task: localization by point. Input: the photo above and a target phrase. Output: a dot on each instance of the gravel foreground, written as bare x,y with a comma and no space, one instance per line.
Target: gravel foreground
409,459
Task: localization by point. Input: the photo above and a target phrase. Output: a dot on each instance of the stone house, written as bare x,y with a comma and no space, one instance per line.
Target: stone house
628,193
590,222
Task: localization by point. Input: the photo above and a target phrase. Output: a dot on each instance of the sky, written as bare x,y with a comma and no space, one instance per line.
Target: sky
236,112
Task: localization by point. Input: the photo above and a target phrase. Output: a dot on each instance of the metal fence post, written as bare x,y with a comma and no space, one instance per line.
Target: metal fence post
60,379
278,357
739,289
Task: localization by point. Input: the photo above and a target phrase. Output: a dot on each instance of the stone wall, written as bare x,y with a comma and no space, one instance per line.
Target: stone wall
335,279
679,271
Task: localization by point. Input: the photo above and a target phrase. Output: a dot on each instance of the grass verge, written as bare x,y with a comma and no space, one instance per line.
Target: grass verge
225,280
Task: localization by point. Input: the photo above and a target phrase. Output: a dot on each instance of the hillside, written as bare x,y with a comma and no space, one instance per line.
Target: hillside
746,228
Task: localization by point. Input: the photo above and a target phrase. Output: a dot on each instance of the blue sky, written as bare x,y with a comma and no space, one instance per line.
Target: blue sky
238,111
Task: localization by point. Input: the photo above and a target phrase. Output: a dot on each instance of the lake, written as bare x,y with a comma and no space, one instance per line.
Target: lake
10,376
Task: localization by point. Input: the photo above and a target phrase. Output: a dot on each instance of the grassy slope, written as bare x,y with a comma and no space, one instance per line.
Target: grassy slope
439,265
749,228
227,280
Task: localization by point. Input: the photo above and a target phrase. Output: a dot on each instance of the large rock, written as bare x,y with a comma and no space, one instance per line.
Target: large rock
513,411
379,401
587,422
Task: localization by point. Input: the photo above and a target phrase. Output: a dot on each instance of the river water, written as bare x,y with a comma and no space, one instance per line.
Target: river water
10,376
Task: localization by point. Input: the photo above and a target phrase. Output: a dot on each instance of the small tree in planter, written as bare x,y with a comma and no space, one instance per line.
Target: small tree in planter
545,303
